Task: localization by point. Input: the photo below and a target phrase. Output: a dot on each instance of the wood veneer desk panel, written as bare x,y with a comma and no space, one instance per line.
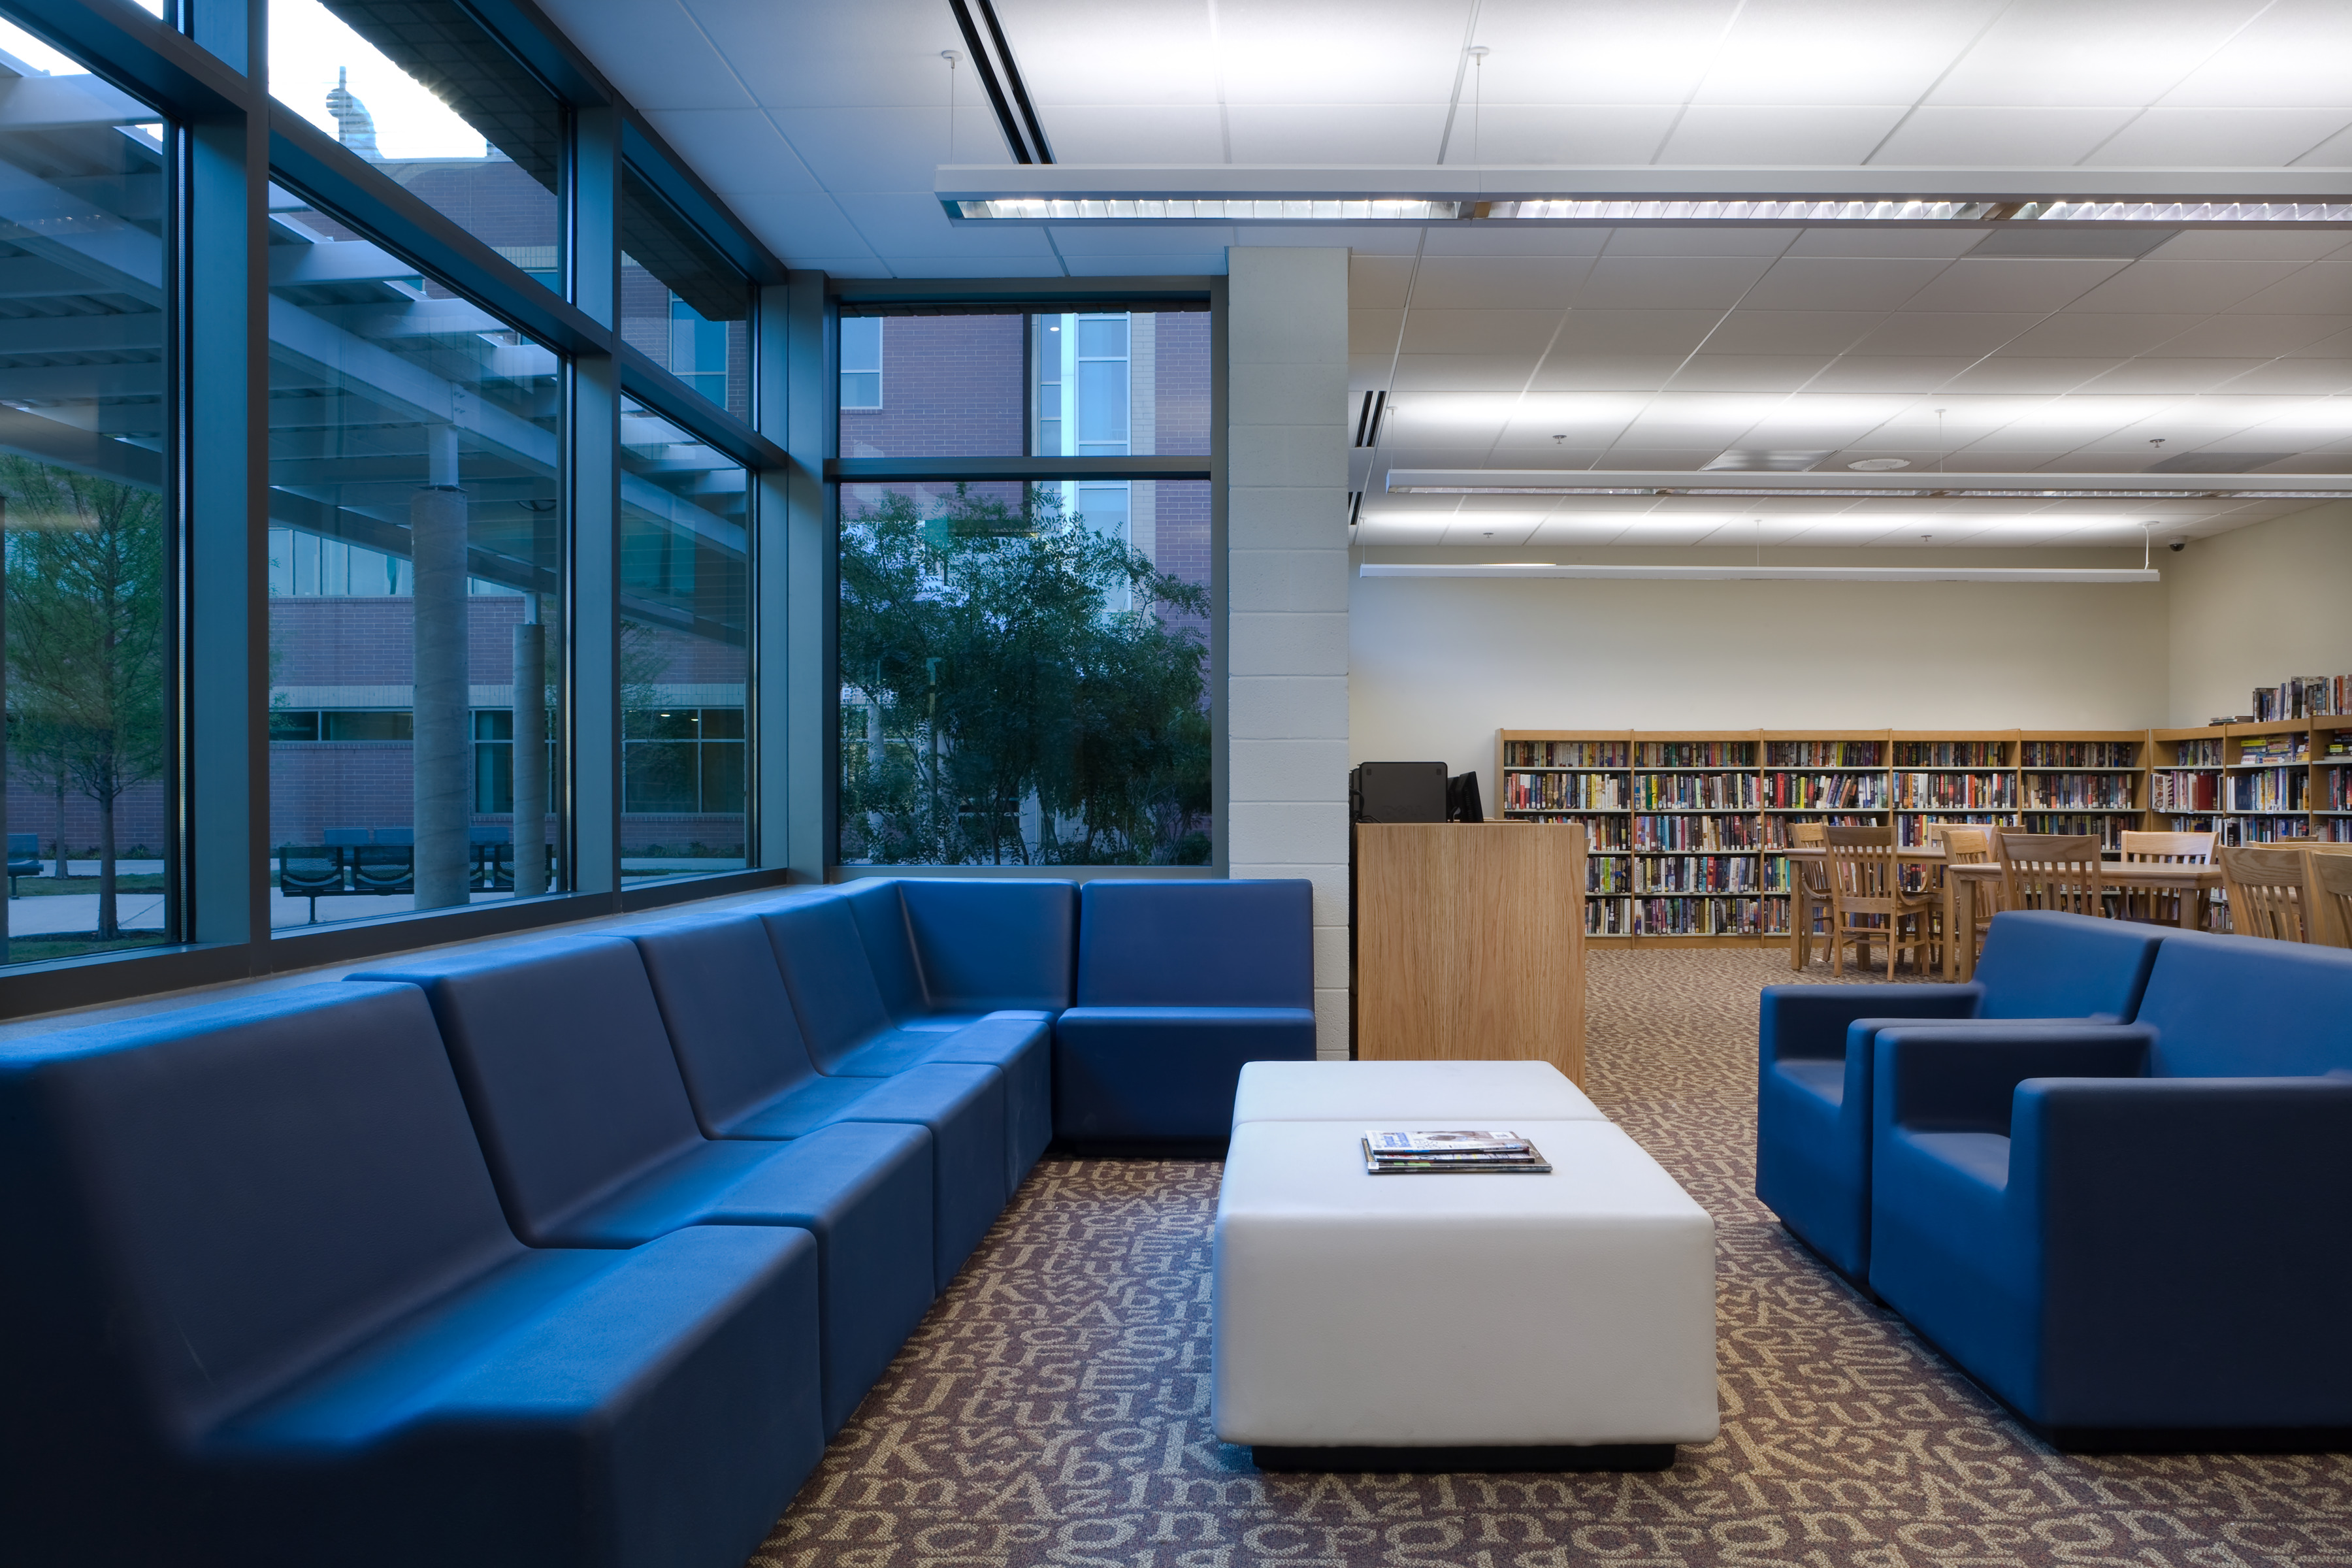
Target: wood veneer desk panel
1470,942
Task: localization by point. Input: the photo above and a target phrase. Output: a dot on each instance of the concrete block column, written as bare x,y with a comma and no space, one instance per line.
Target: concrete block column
1287,591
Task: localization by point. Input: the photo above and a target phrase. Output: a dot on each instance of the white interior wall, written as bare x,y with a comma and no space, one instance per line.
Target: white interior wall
2254,607
1438,665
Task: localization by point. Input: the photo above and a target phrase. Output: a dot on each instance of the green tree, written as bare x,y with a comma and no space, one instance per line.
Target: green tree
988,677
85,632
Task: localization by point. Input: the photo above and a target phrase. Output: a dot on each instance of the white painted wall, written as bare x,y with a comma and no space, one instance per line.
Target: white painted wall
1439,665
1287,591
2255,606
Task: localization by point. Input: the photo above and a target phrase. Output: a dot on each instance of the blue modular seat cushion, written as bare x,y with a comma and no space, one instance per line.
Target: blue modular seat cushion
1019,1046
1241,943
2225,1006
993,945
729,1019
826,973
1164,1074
2040,963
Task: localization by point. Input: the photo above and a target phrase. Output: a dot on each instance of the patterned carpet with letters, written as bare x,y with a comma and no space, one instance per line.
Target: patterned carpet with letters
1054,1407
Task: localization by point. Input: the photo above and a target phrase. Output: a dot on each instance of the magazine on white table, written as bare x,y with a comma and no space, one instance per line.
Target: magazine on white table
1457,1152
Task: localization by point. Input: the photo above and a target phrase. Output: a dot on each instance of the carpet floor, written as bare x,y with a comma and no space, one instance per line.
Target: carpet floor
1054,1407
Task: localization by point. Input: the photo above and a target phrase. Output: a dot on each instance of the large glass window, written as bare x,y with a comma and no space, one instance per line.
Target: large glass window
1009,385
686,599
683,305
414,574
84,409
427,95
1024,674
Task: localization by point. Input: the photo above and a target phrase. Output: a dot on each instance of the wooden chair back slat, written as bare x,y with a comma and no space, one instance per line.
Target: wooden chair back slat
1867,899
2169,849
2331,896
2060,871
2270,891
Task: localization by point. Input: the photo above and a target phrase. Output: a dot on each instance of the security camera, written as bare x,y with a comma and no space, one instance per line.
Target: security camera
2176,545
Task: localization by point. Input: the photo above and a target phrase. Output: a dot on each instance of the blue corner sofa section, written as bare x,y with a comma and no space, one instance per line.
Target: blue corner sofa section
2130,1232
1206,974
1814,1079
570,1251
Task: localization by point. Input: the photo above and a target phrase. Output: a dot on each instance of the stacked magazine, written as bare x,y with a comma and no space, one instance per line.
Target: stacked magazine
1428,1153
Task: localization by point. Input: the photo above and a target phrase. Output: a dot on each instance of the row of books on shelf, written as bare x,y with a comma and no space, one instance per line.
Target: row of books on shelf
2078,754
1565,753
1911,832
2275,750
1956,792
2233,831
2267,791
1951,753
2207,752
1694,792
1693,916
2299,696
1563,792
1696,833
2184,792
2078,792
1822,792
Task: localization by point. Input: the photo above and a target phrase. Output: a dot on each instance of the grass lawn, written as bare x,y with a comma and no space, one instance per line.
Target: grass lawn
70,944
54,887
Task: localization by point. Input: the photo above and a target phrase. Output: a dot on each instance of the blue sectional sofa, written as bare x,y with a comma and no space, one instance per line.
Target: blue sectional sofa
1813,1077
1179,984
2135,1236
571,1251
261,1297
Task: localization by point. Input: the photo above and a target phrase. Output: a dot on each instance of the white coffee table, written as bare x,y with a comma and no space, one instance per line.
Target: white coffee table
1372,1093
1460,1321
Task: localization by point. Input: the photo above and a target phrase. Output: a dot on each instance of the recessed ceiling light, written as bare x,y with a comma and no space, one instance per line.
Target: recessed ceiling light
1879,465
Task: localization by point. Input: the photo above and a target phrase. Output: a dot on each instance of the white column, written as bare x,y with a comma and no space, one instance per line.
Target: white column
1287,590
442,745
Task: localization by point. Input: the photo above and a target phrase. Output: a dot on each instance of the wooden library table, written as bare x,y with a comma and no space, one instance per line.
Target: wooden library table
1960,883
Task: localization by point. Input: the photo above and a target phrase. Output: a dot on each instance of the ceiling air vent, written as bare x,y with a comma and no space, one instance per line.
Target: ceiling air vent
1368,418
1749,460
2218,462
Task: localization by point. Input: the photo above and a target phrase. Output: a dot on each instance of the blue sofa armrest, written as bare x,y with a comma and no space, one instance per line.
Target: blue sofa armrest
1964,1079
2192,1277
1810,1020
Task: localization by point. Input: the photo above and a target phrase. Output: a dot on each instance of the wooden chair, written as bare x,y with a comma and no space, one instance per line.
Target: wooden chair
2331,895
2270,891
1867,900
2148,904
1971,846
1810,899
2060,871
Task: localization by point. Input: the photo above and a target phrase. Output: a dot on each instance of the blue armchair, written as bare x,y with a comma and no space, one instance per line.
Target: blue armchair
1813,1079
1179,983
2134,1235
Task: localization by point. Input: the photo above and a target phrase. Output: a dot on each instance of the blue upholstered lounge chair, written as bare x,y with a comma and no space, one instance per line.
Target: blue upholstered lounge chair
948,952
749,1076
261,1308
591,1141
1179,983
2135,1236
1813,1095
850,1032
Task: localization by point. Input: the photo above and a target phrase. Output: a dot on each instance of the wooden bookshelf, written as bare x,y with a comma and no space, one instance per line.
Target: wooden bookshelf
1683,824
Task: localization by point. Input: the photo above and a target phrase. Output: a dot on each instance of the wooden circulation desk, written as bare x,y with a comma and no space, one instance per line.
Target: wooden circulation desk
1470,942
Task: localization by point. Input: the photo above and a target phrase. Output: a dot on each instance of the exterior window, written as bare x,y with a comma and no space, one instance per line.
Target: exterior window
415,557
683,305
861,362
429,98
89,514
684,651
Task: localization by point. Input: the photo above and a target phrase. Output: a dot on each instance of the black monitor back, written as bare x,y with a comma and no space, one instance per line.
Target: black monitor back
1398,792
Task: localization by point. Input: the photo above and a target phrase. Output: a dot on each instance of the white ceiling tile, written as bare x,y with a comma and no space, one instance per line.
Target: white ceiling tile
652,51
1502,282
1337,133
1790,332
2235,336
912,223
738,152
1806,52
2323,286
2317,376
868,265
1746,373
1087,52
2015,283
1874,240
1605,373
2219,137
2338,345
1585,52
1463,373
1969,137
1077,239
1601,332
2175,375
799,228
1372,331
884,55
1889,373
2201,286
1506,240
2251,245
1835,283
2123,52
1133,134
1668,282
1791,133
2293,53
1723,239
1377,282
2111,333
1495,331
2004,373
2336,153
1172,264
1324,52
1557,132
875,149
1944,332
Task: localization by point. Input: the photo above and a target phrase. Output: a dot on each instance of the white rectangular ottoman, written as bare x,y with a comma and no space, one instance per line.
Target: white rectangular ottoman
1375,1094
1457,1321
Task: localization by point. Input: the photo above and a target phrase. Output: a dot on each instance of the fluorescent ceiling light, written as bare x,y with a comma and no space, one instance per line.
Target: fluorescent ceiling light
1849,485
2037,198
1764,573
